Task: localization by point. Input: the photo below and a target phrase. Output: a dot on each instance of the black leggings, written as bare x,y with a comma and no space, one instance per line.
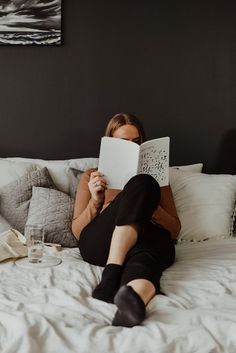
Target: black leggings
154,250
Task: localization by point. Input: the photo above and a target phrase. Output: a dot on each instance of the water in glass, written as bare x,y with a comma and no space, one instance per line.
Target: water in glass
35,243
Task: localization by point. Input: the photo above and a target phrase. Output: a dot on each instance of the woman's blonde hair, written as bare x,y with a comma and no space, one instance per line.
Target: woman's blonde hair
121,119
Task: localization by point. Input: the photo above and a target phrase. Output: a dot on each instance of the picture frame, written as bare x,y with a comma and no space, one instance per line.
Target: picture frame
30,22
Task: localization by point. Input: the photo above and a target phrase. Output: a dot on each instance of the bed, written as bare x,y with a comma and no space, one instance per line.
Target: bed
51,310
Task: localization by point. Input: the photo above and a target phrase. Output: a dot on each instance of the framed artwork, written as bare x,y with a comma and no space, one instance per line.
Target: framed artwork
30,22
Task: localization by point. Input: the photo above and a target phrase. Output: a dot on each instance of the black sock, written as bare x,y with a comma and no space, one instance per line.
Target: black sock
131,308
110,283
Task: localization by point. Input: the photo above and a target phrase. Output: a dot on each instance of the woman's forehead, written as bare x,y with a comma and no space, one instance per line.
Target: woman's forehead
126,131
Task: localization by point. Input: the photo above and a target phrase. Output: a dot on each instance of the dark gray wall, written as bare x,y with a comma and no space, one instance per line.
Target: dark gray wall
171,62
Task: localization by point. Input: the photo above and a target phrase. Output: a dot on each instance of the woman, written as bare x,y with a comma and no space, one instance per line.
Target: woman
130,232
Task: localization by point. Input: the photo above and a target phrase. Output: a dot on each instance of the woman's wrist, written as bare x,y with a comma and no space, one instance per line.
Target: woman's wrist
97,203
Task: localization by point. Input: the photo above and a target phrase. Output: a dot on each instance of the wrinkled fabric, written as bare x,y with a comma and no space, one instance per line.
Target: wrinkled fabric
51,310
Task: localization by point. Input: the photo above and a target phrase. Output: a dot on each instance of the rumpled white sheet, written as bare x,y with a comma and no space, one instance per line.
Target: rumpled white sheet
52,311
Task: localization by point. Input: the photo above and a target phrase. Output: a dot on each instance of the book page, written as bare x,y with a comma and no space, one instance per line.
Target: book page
118,161
154,159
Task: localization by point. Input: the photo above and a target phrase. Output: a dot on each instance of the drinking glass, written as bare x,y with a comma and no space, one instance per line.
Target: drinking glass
35,242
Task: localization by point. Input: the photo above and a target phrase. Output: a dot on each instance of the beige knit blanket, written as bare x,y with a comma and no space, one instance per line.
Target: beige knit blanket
12,245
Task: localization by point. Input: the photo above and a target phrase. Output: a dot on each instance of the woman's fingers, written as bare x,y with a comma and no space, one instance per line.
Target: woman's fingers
96,174
100,183
99,188
97,184
98,180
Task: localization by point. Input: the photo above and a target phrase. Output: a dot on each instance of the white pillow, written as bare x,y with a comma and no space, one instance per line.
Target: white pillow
59,169
194,168
83,163
204,204
4,225
10,171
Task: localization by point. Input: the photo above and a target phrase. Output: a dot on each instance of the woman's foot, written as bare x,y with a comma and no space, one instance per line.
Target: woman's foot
131,308
110,283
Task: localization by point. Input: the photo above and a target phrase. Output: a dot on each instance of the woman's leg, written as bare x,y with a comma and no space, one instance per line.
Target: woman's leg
140,198
123,239
145,289
133,206
141,275
137,203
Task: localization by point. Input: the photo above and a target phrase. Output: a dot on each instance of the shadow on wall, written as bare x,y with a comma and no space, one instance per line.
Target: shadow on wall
226,161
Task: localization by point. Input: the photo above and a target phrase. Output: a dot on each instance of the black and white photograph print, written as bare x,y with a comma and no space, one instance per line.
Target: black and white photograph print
30,22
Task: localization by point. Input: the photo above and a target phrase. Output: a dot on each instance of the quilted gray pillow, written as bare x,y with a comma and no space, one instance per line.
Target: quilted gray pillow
54,210
15,196
233,227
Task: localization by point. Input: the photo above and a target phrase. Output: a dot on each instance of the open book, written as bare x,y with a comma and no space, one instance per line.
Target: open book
119,160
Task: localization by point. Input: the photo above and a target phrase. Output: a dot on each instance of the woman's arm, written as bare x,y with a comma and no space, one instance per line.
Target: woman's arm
166,214
86,208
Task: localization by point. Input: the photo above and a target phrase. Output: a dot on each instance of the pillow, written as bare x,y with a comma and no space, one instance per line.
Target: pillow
15,196
63,172
4,225
76,169
204,204
74,175
194,168
54,210
11,171
59,169
83,163
233,228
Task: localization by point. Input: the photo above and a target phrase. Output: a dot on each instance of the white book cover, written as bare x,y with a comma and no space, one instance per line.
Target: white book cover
120,160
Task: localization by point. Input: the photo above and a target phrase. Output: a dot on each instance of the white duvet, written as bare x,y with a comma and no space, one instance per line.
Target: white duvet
51,310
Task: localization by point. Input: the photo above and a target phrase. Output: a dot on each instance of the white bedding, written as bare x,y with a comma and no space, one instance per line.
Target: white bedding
52,311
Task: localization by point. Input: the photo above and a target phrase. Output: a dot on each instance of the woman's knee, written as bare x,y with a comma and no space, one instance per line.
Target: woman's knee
143,179
144,182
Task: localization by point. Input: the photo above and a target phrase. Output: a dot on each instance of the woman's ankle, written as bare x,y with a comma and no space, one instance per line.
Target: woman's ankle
109,284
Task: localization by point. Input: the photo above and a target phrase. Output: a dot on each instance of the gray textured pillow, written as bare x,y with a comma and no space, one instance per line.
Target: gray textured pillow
54,210
233,227
15,196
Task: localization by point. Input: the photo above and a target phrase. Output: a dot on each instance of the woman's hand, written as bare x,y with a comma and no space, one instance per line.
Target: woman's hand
97,185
